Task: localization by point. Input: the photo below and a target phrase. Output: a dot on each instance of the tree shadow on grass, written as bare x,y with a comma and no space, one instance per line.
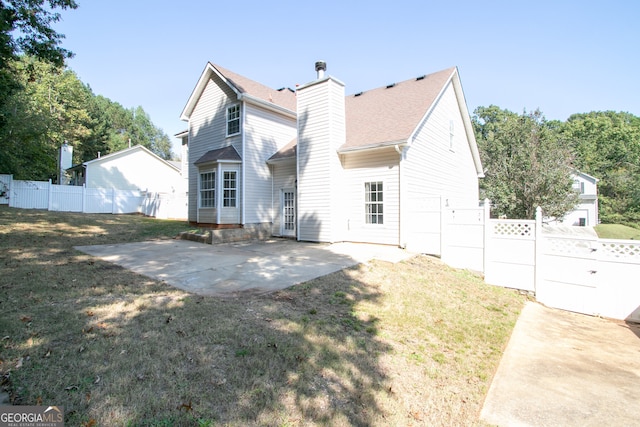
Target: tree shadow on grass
116,348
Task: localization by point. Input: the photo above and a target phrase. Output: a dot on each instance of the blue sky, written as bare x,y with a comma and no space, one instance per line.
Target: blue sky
562,57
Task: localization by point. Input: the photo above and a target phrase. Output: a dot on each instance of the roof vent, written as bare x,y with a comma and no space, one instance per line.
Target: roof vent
391,85
358,94
421,77
321,67
281,89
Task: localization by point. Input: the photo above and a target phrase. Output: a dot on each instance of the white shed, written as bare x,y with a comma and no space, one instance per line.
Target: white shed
134,168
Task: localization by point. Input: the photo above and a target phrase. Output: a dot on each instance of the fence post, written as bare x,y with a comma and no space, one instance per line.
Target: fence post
537,267
443,230
10,194
486,234
50,196
84,198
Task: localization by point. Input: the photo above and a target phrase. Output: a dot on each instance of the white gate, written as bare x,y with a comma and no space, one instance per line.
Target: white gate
567,272
591,276
425,225
66,198
510,253
463,238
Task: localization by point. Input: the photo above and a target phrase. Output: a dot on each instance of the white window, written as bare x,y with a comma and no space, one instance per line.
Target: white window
233,120
207,190
373,205
229,188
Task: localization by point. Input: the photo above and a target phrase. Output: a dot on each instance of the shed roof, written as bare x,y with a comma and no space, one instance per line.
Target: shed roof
125,152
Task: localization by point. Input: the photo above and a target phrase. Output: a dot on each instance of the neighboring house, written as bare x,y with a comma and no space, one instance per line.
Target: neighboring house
586,212
134,168
318,166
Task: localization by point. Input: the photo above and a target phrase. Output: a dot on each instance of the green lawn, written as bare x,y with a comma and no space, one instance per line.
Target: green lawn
617,231
413,343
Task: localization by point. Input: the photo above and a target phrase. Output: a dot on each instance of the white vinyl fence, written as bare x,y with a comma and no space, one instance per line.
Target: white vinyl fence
576,273
67,198
592,276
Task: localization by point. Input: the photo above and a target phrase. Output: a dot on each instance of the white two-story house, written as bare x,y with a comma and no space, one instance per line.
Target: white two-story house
316,165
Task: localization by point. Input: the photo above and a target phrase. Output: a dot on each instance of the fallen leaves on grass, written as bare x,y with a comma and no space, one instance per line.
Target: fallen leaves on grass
185,406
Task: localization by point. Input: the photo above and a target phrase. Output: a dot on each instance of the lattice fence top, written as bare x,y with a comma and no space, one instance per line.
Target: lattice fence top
621,251
511,228
570,246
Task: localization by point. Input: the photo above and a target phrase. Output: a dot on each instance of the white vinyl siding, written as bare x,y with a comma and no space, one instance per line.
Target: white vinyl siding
265,133
207,131
321,128
372,167
438,169
439,161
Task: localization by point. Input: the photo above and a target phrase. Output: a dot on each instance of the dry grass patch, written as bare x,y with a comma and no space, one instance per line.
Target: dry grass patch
415,343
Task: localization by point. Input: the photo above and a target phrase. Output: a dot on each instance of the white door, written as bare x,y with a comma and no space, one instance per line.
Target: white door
288,226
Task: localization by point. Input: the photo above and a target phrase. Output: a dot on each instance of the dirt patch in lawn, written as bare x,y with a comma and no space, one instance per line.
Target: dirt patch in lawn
413,343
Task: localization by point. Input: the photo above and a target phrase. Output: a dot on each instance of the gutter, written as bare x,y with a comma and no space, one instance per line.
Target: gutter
396,144
268,105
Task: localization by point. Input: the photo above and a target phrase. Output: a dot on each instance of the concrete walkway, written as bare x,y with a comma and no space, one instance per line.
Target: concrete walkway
260,266
568,369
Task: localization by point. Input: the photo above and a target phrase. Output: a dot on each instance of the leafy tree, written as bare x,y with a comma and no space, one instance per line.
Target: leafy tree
607,146
49,109
526,164
115,126
53,106
32,20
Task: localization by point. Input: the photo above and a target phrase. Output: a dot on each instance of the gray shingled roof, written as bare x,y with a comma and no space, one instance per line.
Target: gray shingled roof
286,152
376,117
227,153
284,97
391,114
386,114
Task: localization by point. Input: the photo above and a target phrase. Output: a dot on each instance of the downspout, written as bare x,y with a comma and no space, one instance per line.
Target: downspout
402,242
219,191
192,171
244,155
297,196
